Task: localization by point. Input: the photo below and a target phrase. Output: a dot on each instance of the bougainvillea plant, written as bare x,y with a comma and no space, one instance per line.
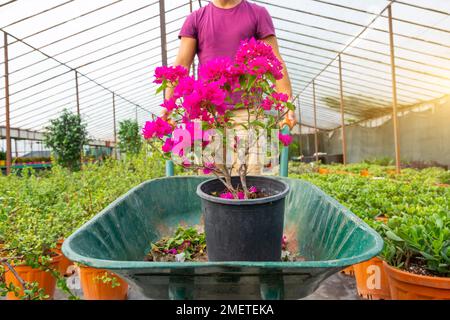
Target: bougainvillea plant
199,130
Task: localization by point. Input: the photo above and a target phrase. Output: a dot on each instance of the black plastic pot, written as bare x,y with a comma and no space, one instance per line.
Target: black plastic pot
244,230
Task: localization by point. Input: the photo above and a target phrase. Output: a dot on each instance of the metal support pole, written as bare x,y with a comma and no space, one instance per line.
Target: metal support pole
7,106
193,62
16,148
162,27
77,88
394,93
300,144
341,87
316,138
284,159
114,125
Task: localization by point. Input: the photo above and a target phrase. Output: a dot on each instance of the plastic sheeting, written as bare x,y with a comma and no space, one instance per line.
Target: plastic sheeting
115,45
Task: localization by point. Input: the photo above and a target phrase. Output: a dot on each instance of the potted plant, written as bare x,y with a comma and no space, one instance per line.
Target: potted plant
99,284
2,158
371,279
417,256
243,214
30,266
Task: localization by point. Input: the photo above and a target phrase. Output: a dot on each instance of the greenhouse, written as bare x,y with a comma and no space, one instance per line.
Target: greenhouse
226,149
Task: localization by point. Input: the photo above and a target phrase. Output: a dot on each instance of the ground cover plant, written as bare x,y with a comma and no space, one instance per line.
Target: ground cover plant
417,233
37,210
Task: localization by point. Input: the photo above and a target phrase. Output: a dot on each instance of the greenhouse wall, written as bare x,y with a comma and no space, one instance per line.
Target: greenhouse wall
424,135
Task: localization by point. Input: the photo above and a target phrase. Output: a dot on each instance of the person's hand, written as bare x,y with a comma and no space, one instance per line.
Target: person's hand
289,120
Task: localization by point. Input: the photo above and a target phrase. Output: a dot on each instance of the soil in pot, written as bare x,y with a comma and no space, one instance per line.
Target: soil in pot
46,280
406,285
99,284
371,280
244,229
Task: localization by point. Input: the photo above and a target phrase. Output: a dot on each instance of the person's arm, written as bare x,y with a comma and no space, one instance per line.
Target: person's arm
185,57
283,85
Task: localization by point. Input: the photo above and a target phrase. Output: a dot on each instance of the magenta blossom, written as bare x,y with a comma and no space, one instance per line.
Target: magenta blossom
226,195
171,251
257,58
169,105
229,195
169,74
285,139
208,167
158,128
284,243
253,189
220,71
184,88
168,145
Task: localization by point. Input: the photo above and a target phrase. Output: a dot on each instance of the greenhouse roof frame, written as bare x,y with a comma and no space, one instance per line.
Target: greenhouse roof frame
312,42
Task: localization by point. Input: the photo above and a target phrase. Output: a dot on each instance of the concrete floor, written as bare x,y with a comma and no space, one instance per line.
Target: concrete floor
336,287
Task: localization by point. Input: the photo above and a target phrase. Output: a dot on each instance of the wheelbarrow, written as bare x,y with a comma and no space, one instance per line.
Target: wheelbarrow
327,234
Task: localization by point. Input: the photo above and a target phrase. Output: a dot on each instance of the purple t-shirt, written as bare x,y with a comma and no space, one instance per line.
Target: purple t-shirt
219,31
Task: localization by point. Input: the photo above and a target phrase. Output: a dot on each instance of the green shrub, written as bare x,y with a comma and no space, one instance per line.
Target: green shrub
418,229
130,138
66,136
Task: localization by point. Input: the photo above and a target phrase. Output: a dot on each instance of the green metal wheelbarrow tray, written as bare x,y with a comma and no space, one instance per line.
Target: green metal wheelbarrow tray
328,235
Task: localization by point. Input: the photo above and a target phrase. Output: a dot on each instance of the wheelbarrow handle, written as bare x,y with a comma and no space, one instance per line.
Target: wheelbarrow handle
170,172
284,159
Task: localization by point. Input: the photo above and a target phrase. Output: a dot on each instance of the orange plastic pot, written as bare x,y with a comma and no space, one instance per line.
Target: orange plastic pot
45,280
323,171
349,271
409,286
364,173
96,289
341,172
64,263
382,218
371,280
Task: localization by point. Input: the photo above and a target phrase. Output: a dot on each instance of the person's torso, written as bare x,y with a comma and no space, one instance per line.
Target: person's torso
220,31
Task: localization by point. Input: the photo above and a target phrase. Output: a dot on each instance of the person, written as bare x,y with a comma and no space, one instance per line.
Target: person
216,30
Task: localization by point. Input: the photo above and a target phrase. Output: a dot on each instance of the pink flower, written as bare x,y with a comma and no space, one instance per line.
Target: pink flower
169,104
205,100
267,104
284,243
285,139
171,251
168,145
253,189
170,74
282,97
227,195
220,71
241,195
184,88
208,168
158,128
257,58
186,163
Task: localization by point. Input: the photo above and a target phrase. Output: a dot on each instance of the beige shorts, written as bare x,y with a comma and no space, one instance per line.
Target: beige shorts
256,156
